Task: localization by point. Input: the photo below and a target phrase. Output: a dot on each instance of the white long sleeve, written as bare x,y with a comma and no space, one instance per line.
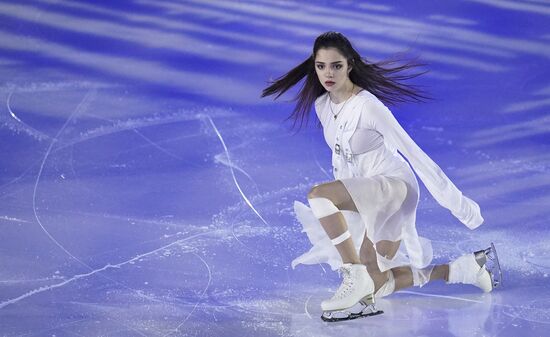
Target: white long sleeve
377,116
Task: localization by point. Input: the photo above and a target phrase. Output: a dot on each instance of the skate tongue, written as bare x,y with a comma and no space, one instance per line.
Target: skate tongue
345,269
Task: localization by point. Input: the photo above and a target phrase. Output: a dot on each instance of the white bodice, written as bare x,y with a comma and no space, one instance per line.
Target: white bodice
363,139
356,136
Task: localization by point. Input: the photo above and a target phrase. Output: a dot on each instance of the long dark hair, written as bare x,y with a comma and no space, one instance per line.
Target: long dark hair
382,79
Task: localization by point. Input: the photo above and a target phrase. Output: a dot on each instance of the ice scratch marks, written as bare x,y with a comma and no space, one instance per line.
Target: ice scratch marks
314,151
7,218
533,311
203,116
223,159
51,331
21,281
505,326
54,286
306,305
160,148
525,312
537,255
196,304
323,169
45,85
439,296
95,271
22,125
14,180
81,107
11,112
136,123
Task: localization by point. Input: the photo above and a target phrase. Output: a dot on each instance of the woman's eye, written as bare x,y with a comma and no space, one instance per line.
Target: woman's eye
319,66
338,66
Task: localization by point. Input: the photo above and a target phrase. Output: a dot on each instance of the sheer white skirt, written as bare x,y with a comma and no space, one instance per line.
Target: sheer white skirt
386,205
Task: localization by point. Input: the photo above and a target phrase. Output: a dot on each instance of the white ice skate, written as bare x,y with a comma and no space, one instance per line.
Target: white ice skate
357,287
480,268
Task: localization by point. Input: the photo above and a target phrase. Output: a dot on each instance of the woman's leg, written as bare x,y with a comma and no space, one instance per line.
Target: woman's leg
466,269
403,276
327,200
335,225
333,197
368,253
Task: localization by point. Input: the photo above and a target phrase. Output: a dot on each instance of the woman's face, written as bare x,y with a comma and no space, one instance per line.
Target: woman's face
332,69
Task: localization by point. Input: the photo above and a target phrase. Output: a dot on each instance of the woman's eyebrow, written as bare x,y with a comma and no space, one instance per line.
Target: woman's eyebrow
330,63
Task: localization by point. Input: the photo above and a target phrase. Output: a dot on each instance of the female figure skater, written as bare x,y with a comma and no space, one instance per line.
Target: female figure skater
359,221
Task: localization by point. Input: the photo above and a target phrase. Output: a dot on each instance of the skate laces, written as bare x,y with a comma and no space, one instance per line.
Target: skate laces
347,282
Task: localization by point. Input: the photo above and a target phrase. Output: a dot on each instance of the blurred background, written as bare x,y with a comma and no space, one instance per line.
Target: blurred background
147,190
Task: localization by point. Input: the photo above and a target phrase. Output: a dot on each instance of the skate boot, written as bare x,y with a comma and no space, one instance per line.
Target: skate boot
357,287
480,268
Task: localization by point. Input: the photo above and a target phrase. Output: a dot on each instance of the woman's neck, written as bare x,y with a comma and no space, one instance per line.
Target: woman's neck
345,93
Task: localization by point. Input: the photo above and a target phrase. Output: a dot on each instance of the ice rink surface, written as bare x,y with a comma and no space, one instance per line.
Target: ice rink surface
147,190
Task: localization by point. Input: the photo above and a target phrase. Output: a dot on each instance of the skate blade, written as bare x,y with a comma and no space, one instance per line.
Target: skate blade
488,259
495,271
345,315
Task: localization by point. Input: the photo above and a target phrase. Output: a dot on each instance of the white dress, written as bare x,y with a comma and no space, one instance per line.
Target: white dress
381,184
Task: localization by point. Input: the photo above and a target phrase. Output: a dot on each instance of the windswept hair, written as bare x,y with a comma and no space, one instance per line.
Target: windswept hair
382,79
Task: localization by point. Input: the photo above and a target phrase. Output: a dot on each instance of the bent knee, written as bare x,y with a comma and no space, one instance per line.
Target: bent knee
315,192
334,191
369,255
326,190
322,207
387,248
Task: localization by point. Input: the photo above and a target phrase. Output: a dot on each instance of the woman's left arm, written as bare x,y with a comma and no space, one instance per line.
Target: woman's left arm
435,180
